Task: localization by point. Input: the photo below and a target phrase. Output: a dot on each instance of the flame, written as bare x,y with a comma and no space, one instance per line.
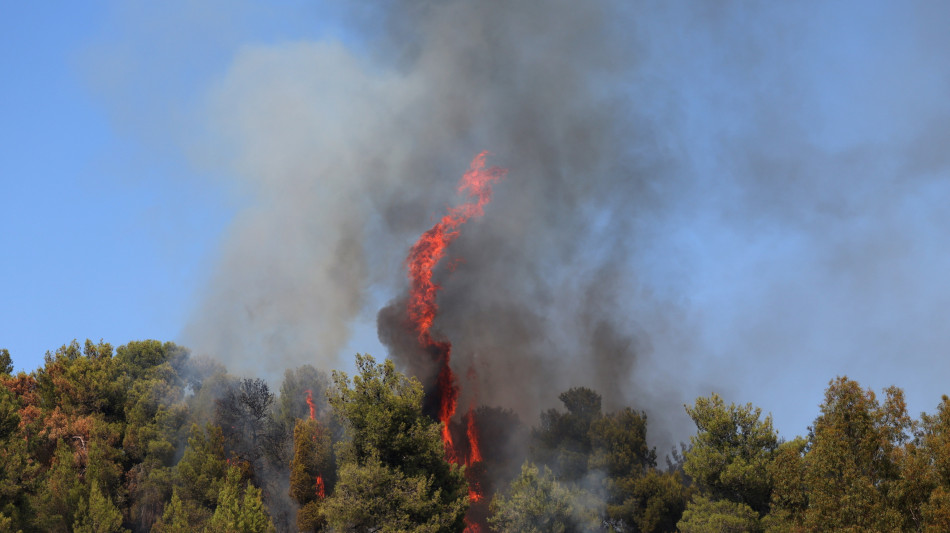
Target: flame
422,307
321,490
313,409
430,248
474,453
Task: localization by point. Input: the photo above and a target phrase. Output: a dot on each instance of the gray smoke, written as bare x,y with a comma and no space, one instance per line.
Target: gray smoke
351,156
747,198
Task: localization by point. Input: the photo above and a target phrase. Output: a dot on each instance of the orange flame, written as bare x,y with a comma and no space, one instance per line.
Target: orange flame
422,307
475,453
430,248
321,490
423,257
313,409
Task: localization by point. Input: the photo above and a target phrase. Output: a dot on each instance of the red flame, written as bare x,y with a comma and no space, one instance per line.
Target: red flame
321,490
430,248
474,453
422,306
313,409
423,257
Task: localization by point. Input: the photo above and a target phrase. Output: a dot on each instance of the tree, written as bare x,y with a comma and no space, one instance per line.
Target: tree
654,501
19,478
202,469
639,497
6,362
175,518
242,412
60,492
82,385
609,454
300,386
731,452
562,440
537,503
98,515
618,444
310,473
704,515
392,473
140,356
933,451
240,508
789,490
850,467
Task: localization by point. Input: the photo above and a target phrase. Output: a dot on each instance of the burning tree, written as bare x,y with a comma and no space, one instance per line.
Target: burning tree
421,310
392,471
310,472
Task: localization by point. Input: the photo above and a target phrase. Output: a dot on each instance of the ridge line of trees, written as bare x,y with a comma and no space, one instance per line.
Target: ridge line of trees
148,437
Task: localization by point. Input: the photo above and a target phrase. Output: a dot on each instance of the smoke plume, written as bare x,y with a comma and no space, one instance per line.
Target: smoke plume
746,198
351,155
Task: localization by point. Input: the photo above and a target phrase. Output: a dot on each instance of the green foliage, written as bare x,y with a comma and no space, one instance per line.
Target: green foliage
850,461
151,439
933,451
704,515
19,479
789,489
240,508
392,472
6,362
609,454
98,514
312,460
562,440
175,518
81,385
6,524
138,357
201,472
537,503
858,470
654,501
373,496
60,492
9,413
291,405
731,452
150,485
618,444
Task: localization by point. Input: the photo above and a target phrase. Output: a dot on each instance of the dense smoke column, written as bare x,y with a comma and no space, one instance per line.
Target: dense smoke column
422,309
345,150
422,306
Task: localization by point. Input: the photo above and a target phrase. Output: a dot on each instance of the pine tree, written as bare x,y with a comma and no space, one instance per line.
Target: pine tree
240,508
98,515
392,471
310,473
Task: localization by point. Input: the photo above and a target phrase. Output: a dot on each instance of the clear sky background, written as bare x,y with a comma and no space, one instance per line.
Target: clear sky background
108,230
803,233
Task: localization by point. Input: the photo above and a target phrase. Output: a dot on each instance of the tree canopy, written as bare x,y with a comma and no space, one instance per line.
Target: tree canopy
148,437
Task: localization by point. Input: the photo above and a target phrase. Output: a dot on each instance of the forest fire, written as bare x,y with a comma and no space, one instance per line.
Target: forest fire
313,409
320,486
424,255
321,489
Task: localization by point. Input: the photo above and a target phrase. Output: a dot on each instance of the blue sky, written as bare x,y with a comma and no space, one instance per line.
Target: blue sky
91,225
155,159
107,229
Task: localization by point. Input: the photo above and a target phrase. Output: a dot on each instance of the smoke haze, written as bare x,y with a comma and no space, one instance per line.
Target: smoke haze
731,197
